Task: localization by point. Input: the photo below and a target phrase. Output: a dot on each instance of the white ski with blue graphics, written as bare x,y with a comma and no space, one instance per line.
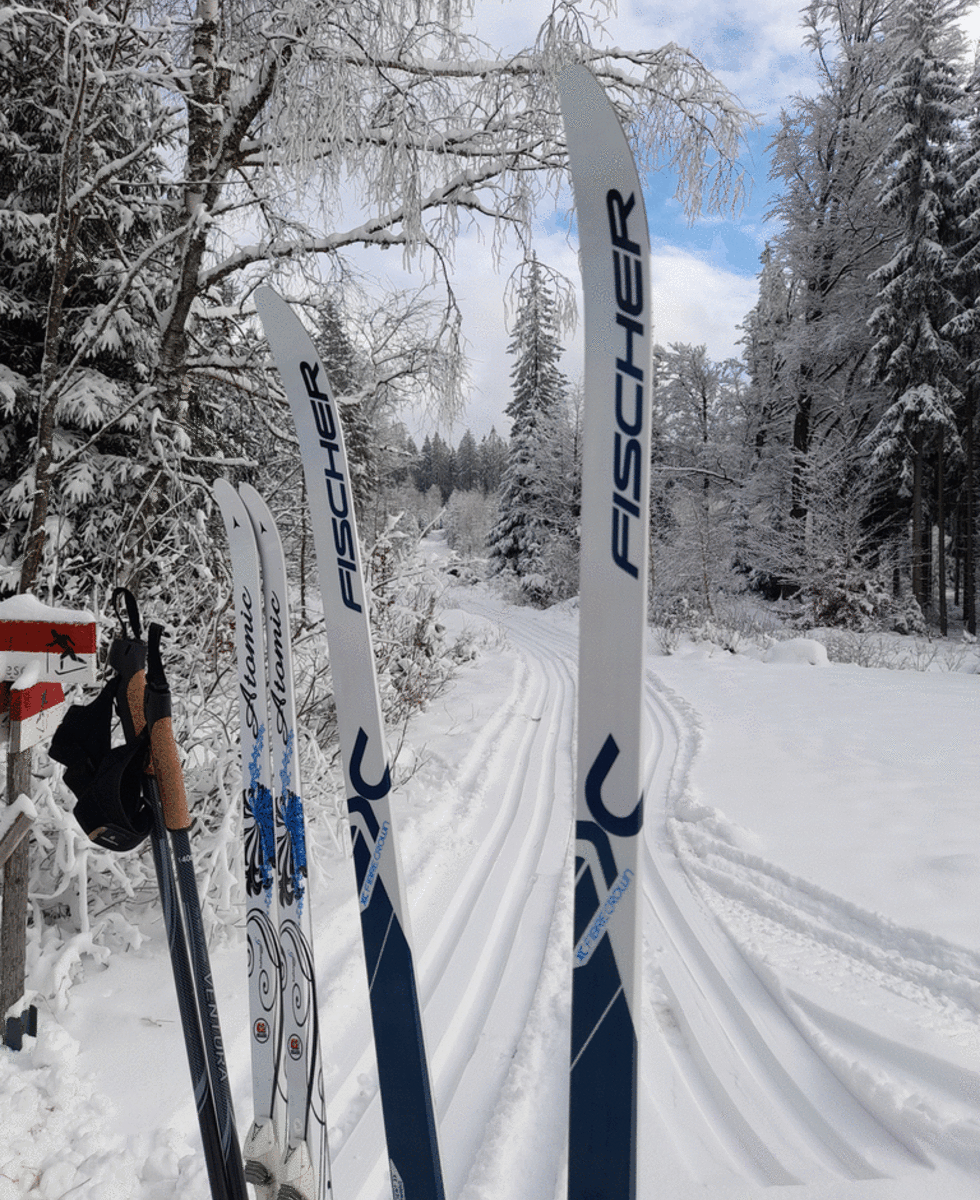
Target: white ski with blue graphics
287,1156
615,261
305,1173
263,1147
403,1073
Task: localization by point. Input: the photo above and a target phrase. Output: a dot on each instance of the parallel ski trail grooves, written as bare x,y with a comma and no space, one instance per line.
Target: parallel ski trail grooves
734,1095
480,956
787,1114
509,898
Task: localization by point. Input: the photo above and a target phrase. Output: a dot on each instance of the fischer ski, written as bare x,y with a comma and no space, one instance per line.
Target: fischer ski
615,262
403,1074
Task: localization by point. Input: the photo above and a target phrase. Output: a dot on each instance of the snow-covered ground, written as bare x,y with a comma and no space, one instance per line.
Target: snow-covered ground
812,974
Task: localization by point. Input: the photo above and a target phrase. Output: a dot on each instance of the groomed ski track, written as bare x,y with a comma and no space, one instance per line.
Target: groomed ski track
741,1082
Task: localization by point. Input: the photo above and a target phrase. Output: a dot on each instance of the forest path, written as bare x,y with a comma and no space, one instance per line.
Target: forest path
734,1095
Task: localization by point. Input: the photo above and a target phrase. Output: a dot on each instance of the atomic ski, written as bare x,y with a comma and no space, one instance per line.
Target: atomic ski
403,1075
615,262
264,1144
305,1171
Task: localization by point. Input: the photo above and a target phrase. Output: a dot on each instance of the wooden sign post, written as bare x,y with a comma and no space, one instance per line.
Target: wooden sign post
41,648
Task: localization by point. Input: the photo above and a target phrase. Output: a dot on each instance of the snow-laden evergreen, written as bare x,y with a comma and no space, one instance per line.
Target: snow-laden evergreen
536,515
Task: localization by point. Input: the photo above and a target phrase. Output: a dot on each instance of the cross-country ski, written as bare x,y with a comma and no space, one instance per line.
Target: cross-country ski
403,1069
606,997
285,1028
264,1147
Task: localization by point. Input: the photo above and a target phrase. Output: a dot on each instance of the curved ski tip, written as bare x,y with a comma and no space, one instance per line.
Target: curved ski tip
577,85
233,510
255,501
269,304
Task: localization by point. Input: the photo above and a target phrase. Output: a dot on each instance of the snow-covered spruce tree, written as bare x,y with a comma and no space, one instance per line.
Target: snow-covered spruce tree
83,231
914,354
467,463
764,328
967,330
493,460
536,519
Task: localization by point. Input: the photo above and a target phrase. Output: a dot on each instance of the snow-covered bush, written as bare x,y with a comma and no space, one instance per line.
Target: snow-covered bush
414,659
848,596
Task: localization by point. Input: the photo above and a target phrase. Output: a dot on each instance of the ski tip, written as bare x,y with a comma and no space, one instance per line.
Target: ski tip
271,307
233,510
577,85
255,502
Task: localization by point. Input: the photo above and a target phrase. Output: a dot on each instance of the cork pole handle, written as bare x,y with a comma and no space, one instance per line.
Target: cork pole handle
170,777
135,692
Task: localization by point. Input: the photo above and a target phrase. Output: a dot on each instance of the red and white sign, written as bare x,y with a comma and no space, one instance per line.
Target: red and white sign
60,642
31,714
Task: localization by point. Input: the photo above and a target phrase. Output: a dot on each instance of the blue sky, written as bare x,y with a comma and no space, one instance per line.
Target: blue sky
705,274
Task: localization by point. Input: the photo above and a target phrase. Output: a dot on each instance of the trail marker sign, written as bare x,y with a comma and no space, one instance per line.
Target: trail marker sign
29,715
41,649
61,643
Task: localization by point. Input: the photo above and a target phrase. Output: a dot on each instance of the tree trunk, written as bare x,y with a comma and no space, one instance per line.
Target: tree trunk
918,539
941,545
970,515
801,448
957,551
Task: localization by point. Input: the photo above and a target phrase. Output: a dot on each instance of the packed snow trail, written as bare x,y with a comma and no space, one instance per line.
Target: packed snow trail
789,1038
743,1084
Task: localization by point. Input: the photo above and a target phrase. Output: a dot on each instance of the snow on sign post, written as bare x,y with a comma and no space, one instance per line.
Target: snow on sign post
41,649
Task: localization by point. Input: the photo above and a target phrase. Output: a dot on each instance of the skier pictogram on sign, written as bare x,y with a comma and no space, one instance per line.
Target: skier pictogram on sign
60,642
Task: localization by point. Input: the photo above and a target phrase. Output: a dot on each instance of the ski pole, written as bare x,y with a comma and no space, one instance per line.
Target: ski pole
127,656
168,780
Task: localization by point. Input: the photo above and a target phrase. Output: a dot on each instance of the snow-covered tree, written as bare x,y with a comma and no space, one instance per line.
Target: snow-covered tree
493,460
765,331
699,459
467,463
833,234
914,353
536,504
967,330
318,128
83,235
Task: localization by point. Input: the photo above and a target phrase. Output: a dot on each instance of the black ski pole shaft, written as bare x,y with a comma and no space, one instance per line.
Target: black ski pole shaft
169,783
190,1023
128,657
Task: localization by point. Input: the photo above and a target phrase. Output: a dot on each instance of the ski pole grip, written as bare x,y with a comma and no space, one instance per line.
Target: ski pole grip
170,777
163,745
135,691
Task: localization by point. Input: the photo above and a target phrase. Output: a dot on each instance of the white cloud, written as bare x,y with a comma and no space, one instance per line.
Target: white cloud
694,301
699,303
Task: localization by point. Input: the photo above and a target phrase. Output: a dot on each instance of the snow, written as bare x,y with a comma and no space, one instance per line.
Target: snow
20,805
26,607
812,970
